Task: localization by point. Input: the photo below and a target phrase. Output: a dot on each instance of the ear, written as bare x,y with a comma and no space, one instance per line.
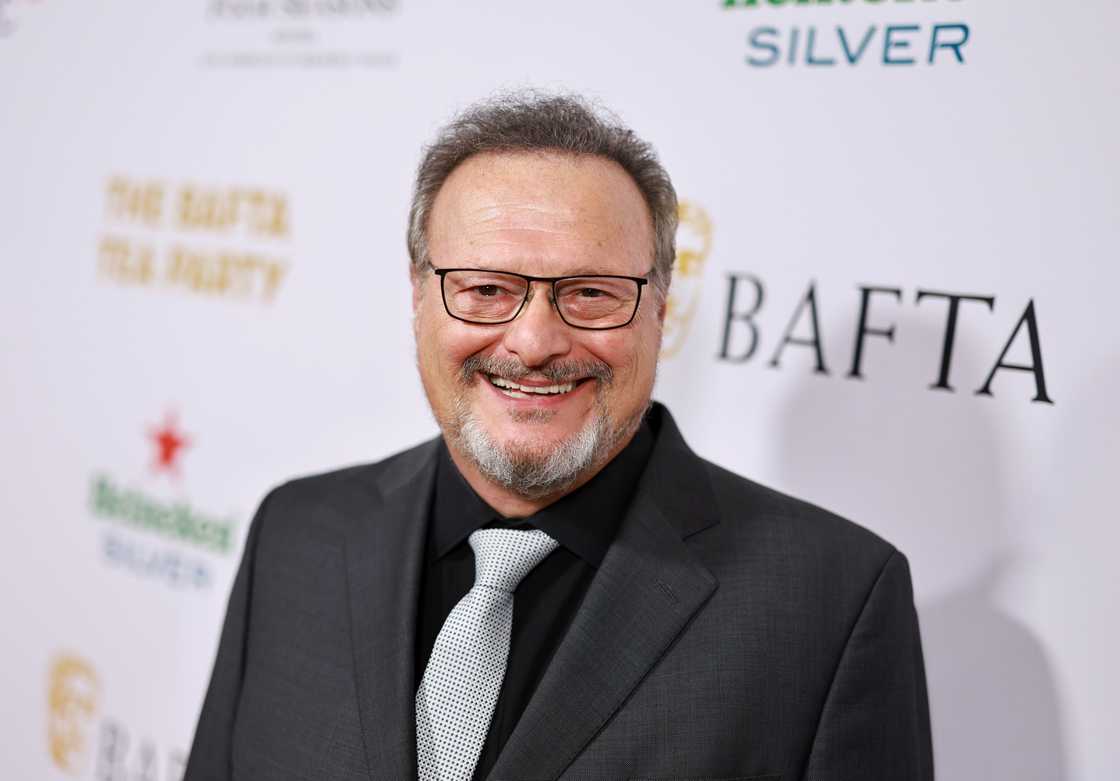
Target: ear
417,290
417,296
662,306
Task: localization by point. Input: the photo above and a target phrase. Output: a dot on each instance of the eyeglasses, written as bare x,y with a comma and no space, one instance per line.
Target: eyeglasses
594,303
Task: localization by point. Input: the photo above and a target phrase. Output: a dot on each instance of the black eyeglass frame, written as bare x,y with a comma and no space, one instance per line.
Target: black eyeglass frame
443,272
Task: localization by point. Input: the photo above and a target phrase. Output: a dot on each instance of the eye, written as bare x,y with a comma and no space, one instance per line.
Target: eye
487,290
590,292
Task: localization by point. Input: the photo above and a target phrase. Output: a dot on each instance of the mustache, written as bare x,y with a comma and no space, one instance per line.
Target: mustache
555,372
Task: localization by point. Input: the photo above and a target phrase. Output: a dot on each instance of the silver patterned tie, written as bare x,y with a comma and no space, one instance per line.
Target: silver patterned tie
460,687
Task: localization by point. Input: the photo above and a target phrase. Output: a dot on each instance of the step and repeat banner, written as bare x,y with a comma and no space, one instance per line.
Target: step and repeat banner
895,296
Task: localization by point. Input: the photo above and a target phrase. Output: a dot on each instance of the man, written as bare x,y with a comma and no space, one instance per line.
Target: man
557,587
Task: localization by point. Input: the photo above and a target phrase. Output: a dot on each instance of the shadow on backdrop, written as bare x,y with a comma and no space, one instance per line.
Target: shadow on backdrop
922,467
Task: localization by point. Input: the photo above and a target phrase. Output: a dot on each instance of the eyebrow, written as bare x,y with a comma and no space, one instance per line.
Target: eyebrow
580,271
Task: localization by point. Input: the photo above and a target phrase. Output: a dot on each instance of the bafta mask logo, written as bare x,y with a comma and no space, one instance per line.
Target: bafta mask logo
694,242
74,693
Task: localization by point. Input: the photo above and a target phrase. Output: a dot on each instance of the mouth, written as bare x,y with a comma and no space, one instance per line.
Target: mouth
522,390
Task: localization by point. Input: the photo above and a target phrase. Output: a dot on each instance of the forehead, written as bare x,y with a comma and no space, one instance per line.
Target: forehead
546,213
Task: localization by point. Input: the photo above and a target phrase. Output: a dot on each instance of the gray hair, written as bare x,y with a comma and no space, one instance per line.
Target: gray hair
529,121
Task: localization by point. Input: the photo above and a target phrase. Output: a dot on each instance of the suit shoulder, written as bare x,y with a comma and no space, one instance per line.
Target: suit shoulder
327,499
322,486
780,519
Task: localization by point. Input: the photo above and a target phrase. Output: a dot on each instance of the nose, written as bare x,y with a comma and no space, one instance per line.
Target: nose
537,334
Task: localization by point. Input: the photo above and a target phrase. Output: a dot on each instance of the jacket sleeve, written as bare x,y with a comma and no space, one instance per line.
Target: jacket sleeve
210,757
875,720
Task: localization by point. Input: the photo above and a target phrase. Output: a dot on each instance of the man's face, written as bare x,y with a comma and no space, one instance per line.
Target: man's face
539,215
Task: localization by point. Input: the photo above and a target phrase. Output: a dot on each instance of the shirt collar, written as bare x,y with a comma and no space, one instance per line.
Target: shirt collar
584,521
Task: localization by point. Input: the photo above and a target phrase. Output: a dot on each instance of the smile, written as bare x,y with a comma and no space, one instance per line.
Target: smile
518,391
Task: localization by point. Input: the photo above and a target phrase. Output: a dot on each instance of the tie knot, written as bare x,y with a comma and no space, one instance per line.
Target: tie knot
502,557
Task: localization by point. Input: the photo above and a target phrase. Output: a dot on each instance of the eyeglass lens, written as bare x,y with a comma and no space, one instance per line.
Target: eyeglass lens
494,297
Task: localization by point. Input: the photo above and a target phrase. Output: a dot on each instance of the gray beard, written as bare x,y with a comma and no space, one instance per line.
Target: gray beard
537,472
532,473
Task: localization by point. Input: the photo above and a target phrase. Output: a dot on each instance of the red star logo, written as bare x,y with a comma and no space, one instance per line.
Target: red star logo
169,442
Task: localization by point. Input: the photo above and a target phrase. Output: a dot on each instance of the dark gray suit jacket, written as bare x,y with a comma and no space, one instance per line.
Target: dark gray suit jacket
731,633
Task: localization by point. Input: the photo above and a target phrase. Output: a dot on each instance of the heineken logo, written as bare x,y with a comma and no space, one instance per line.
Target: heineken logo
169,442
148,528
924,40
176,520
827,3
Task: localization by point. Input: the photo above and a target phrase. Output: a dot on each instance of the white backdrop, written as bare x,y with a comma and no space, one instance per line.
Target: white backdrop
205,292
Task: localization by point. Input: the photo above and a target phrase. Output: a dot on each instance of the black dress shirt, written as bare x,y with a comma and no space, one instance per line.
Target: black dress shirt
583,522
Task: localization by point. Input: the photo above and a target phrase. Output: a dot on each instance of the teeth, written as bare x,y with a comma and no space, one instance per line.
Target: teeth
521,391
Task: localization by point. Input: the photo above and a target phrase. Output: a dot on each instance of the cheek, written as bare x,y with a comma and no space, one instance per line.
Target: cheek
632,356
619,351
436,334
447,343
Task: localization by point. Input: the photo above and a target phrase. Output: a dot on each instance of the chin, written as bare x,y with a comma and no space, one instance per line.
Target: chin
536,466
528,435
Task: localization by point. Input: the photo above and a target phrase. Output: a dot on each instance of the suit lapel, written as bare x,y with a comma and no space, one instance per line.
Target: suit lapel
648,588
384,555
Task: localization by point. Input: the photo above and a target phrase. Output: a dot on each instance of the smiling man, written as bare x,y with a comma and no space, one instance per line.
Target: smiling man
541,367
556,587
